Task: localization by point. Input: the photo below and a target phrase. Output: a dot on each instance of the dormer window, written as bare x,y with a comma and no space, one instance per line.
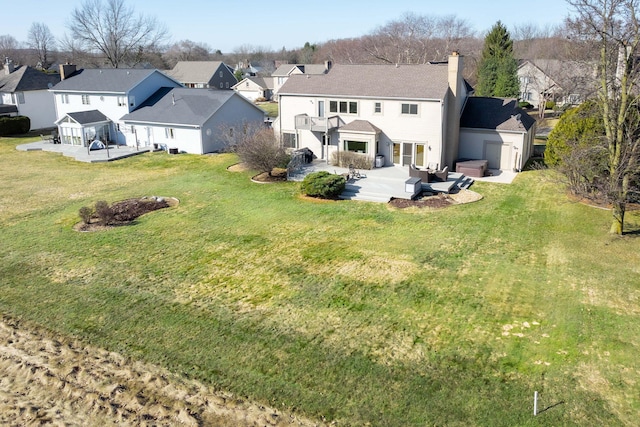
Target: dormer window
86,100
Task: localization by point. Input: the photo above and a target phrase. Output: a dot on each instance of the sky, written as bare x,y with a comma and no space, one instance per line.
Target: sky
286,23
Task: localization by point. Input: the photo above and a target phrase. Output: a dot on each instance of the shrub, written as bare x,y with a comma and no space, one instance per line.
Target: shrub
85,213
526,105
260,150
323,184
550,105
14,125
104,212
346,158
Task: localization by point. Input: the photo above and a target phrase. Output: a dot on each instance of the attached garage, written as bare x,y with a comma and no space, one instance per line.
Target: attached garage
496,130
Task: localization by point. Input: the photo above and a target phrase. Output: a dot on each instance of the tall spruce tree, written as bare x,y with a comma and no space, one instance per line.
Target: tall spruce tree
497,71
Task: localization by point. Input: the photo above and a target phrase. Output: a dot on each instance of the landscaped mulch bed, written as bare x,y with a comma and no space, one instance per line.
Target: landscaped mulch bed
437,201
126,211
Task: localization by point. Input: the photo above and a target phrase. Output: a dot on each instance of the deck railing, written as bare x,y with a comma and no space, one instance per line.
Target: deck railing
316,124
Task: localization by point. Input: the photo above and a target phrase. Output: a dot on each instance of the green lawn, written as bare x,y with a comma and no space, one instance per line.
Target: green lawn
271,108
349,311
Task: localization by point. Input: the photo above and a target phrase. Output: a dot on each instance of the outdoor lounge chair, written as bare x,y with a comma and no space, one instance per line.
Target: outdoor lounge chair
423,174
441,175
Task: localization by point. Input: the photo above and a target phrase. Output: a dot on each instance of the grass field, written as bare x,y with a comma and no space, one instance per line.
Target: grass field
345,311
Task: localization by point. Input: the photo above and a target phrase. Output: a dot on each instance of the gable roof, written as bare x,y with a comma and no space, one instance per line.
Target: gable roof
419,81
86,117
286,69
196,71
360,126
105,80
25,78
495,114
181,106
264,83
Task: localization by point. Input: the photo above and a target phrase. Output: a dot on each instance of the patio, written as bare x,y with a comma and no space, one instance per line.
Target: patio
81,154
382,184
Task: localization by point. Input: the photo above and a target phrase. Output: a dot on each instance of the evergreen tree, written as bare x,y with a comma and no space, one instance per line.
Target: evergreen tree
497,71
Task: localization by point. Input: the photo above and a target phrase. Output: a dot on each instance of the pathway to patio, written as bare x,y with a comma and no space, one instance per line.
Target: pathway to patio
382,184
82,155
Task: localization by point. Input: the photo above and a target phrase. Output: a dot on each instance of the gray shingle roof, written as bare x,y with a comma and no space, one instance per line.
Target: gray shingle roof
360,126
195,71
286,69
87,117
191,107
495,114
106,80
25,78
423,81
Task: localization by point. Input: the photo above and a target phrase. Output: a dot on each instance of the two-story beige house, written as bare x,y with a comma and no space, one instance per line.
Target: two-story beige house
400,115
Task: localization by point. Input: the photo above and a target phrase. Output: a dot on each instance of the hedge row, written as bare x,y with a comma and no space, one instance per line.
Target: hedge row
14,125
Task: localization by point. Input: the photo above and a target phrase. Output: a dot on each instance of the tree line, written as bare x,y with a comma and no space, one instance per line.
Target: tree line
125,38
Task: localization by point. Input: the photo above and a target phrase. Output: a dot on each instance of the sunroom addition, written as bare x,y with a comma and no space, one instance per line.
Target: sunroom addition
84,127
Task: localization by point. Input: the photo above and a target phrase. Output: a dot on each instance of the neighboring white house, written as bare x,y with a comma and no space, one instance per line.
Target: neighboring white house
191,120
91,102
496,130
284,71
24,91
563,82
255,88
408,114
203,74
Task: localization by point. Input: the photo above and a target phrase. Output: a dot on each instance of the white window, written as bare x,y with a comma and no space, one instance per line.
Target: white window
168,133
289,140
64,98
221,73
410,109
86,100
122,101
377,108
226,85
20,97
220,85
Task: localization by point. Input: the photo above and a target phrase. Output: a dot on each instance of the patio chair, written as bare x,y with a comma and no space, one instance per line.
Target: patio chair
353,172
46,138
423,174
442,175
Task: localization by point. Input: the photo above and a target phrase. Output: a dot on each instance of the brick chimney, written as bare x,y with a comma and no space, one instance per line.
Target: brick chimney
66,70
455,101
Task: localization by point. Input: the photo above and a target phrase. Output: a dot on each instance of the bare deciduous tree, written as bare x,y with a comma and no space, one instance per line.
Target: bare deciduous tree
8,48
256,145
113,29
613,26
186,50
42,41
416,39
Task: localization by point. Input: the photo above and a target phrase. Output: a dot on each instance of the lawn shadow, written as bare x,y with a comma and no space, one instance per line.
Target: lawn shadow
550,407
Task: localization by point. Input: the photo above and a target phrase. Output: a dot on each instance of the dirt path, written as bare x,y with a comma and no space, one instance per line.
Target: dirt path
45,380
